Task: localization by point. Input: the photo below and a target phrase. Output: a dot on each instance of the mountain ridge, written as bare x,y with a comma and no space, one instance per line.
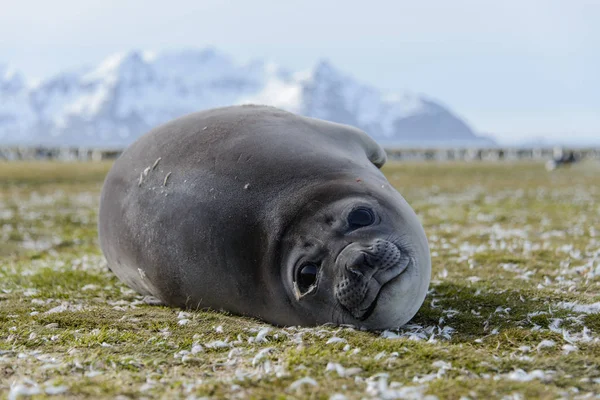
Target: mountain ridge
116,101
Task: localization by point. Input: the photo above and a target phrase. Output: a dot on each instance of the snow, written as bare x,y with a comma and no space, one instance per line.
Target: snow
128,93
303,382
341,370
15,114
86,106
520,375
593,308
10,79
334,340
278,93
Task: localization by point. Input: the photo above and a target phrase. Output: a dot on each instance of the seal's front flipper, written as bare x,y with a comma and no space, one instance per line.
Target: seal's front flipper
351,139
153,301
375,152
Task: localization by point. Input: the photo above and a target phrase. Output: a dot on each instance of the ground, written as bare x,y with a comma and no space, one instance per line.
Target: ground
512,311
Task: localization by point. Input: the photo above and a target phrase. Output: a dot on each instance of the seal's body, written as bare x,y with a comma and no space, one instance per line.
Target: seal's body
263,213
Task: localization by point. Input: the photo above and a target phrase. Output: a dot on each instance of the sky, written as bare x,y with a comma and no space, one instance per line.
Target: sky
515,69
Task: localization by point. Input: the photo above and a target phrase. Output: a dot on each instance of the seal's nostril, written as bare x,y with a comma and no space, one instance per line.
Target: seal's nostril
364,269
356,268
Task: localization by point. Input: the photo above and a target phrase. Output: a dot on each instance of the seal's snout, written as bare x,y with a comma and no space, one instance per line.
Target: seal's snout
365,269
384,255
379,257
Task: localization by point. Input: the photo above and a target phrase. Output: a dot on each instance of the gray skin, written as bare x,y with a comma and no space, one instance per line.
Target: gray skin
221,209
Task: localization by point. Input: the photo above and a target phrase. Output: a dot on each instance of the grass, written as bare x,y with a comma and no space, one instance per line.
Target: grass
516,256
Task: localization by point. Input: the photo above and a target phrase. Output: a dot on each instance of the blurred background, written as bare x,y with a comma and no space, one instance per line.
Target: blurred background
425,74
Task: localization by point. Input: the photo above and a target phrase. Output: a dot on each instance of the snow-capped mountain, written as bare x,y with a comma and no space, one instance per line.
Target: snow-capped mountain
113,103
16,114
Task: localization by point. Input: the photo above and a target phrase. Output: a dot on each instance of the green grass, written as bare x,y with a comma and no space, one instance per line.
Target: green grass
511,243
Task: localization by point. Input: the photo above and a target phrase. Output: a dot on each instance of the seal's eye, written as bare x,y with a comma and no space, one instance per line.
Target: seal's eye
307,275
360,217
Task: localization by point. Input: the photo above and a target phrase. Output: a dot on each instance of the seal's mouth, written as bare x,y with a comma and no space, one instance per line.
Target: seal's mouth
366,271
366,313
369,311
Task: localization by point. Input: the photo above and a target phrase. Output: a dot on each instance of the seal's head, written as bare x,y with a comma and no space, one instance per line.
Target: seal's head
357,254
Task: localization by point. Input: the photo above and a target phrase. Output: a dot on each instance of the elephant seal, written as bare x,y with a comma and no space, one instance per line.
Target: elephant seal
263,213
